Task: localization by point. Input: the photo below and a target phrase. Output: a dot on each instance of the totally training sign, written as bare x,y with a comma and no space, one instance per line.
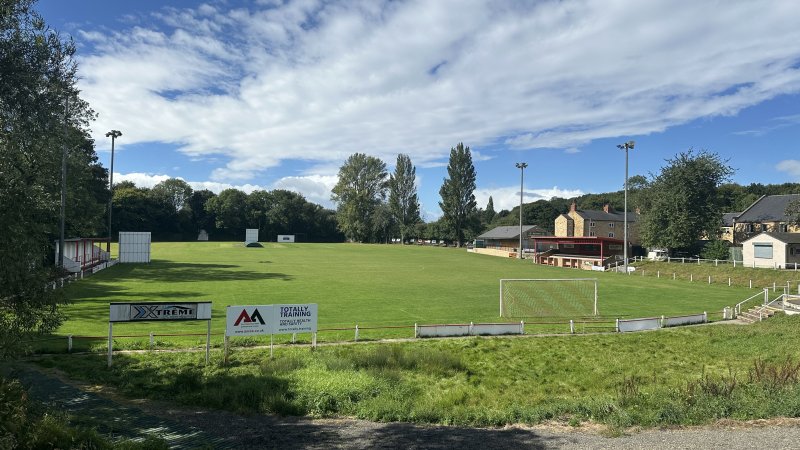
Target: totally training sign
270,319
159,311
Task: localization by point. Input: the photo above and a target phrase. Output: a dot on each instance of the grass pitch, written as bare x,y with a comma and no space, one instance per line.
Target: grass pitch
368,285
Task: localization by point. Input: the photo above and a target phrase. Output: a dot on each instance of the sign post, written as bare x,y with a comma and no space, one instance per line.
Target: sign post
158,312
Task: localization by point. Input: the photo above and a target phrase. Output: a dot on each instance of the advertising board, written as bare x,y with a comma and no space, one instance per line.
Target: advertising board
248,320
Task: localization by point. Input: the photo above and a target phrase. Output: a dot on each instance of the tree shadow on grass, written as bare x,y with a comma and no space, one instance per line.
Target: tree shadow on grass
178,272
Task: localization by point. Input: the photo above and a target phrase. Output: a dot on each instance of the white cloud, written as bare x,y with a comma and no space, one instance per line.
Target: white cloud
508,197
315,188
147,180
318,81
790,166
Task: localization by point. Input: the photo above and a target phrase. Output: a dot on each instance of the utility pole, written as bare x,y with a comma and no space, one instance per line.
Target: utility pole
626,146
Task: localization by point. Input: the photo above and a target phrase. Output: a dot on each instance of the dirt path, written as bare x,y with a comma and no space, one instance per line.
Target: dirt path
186,428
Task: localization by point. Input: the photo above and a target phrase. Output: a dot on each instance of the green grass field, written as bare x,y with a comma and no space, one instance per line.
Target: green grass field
687,375
368,285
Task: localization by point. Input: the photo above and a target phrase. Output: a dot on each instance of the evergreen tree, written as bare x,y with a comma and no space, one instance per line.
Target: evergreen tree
489,213
403,201
457,192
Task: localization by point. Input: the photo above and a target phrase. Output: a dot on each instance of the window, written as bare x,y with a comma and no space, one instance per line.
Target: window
610,234
591,224
611,225
591,233
762,250
782,228
748,228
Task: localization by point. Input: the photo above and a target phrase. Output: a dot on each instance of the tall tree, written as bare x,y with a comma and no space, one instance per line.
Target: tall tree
361,188
489,213
681,204
457,191
40,115
403,201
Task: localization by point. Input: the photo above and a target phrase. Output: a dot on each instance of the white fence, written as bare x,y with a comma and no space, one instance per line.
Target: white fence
684,320
649,323
468,329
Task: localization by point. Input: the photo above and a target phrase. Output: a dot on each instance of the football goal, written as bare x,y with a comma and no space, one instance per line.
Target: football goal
564,297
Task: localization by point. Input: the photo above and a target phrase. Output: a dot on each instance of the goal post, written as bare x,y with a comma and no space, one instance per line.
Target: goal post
548,297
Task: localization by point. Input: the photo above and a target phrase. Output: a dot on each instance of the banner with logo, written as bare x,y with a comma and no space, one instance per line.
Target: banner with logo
159,311
248,320
270,319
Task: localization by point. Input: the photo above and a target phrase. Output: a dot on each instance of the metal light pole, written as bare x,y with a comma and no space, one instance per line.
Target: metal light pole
626,146
113,134
521,167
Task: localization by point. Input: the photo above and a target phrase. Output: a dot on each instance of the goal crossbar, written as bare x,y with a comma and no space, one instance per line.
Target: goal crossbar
587,297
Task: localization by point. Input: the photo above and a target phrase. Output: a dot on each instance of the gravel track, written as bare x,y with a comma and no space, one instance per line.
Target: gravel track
186,428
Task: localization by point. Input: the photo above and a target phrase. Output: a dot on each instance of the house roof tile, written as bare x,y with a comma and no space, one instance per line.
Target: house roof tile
769,208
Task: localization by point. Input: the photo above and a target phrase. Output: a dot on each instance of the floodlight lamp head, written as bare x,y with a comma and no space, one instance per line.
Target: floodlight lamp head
114,134
521,165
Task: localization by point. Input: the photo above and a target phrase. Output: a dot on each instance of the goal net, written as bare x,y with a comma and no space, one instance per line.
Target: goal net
567,297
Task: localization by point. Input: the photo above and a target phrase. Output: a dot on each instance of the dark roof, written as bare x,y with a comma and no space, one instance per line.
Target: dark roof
579,239
786,238
607,216
727,219
508,232
769,208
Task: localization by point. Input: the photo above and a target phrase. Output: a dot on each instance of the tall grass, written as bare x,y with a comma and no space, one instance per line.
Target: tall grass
677,376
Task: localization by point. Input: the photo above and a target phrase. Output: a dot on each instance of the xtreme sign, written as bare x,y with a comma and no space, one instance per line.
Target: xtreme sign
159,311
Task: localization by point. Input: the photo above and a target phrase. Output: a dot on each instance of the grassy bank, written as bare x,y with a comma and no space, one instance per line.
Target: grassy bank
677,376
720,275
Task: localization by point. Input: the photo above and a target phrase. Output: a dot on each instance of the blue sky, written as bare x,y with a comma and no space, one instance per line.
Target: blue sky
276,94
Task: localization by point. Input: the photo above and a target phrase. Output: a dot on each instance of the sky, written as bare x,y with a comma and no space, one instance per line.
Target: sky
272,94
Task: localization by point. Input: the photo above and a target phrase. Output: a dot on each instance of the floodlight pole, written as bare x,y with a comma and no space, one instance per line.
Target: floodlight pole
626,146
521,167
113,134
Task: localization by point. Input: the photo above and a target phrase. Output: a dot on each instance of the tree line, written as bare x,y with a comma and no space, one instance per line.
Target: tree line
172,210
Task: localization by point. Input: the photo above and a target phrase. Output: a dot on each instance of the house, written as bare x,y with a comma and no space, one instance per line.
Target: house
773,250
504,241
726,231
768,213
594,223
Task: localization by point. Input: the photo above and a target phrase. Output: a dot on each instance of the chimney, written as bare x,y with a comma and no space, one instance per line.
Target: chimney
606,207
573,206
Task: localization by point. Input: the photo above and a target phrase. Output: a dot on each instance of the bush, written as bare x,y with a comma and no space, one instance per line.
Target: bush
716,250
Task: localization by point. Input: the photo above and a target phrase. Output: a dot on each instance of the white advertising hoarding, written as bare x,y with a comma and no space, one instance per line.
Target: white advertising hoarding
271,319
248,320
285,238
